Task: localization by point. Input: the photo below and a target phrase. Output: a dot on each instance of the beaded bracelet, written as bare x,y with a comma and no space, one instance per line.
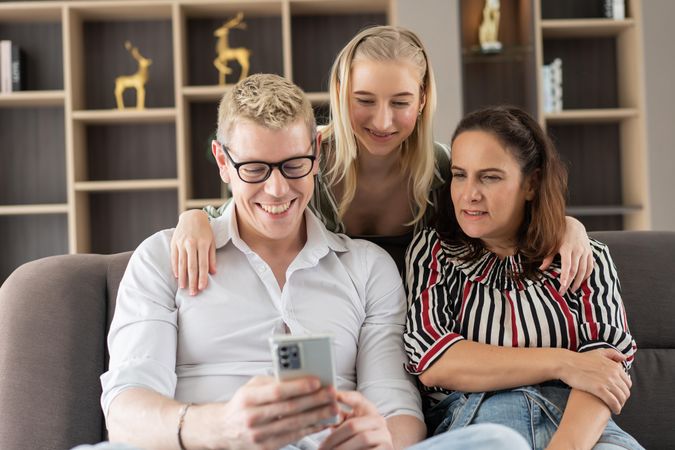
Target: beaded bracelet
181,419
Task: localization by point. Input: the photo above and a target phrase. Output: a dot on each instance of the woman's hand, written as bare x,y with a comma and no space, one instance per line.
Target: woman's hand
598,372
576,256
193,251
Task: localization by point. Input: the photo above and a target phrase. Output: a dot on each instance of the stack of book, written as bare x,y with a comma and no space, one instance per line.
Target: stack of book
552,86
615,9
10,67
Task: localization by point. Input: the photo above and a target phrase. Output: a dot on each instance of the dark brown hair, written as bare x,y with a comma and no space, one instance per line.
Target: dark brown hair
544,222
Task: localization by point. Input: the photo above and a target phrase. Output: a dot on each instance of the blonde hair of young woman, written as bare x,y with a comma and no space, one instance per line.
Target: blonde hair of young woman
382,43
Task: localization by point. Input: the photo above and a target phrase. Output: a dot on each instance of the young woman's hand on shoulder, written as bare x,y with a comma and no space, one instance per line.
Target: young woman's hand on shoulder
576,256
193,251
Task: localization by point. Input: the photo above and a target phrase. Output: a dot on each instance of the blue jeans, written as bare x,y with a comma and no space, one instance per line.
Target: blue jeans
533,411
475,437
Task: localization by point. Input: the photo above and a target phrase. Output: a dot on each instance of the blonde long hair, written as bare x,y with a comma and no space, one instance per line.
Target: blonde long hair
381,43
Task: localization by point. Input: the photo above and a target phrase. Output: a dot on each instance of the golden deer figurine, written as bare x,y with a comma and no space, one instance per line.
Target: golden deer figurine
489,28
227,53
136,80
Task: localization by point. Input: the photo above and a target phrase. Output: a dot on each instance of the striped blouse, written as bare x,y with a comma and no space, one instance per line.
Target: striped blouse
450,300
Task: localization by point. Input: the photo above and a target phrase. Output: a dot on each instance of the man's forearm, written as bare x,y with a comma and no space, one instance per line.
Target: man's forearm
583,421
406,430
144,419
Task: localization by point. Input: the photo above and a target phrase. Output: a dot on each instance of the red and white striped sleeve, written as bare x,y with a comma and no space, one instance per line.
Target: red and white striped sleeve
431,327
603,322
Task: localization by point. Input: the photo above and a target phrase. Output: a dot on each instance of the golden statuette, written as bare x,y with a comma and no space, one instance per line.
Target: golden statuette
227,53
136,80
489,28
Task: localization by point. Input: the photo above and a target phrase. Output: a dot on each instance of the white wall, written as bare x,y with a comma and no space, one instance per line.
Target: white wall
659,53
436,22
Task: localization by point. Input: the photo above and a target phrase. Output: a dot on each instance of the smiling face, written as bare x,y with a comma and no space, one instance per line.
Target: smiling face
272,210
384,103
488,191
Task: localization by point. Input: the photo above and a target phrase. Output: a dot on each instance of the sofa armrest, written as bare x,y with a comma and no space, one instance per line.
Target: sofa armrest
52,352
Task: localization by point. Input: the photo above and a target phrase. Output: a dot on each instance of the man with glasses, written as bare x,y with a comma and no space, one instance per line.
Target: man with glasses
193,372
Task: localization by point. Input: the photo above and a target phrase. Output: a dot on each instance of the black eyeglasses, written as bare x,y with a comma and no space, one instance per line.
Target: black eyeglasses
259,171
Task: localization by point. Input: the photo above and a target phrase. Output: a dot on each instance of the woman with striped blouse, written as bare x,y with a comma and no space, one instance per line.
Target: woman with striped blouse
488,333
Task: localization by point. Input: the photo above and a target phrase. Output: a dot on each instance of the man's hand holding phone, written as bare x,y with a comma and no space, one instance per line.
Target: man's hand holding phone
266,413
362,428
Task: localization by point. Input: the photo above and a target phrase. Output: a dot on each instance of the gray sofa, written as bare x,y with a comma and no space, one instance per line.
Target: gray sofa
54,314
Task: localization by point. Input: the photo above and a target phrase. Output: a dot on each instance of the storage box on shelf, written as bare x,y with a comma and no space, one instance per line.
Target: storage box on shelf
103,179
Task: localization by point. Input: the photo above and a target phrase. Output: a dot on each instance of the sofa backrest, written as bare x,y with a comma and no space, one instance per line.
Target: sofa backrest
645,262
56,313
52,350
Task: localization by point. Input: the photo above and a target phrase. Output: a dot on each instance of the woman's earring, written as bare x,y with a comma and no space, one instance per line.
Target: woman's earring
420,112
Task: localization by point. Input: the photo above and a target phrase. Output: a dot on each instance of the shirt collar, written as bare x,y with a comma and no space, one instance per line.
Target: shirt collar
319,239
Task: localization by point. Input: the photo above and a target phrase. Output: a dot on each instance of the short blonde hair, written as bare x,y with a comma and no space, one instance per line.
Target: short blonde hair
382,43
265,99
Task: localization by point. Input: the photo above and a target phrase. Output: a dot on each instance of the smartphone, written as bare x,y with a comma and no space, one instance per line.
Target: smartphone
299,356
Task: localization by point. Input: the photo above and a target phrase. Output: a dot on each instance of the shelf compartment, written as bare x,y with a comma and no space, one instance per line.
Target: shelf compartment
125,185
603,217
32,98
204,93
32,12
328,7
603,210
577,9
589,71
25,210
310,25
28,237
41,45
590,115
100,45
199,203
128,152
33,168
262,37
130,115
119,221
203,177
584,28
506,77
593,156
318,97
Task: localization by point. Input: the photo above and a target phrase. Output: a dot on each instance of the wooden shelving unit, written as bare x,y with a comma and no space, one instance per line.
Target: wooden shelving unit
82,176
600,132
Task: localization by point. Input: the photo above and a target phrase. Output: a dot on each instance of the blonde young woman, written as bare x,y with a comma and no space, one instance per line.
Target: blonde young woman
380,168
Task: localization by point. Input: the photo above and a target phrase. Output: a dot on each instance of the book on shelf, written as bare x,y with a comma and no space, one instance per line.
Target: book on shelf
11,67
17,68
552,86
615,9
5,66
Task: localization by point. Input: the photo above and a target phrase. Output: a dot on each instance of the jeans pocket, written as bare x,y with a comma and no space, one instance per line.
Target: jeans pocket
440,416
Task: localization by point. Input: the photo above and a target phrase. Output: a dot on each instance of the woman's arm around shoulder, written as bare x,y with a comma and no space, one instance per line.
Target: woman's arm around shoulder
193,249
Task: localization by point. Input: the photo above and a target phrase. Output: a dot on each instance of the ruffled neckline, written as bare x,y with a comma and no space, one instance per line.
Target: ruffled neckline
491,270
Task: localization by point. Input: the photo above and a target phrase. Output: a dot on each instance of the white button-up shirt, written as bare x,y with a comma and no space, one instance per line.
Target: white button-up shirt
203,348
